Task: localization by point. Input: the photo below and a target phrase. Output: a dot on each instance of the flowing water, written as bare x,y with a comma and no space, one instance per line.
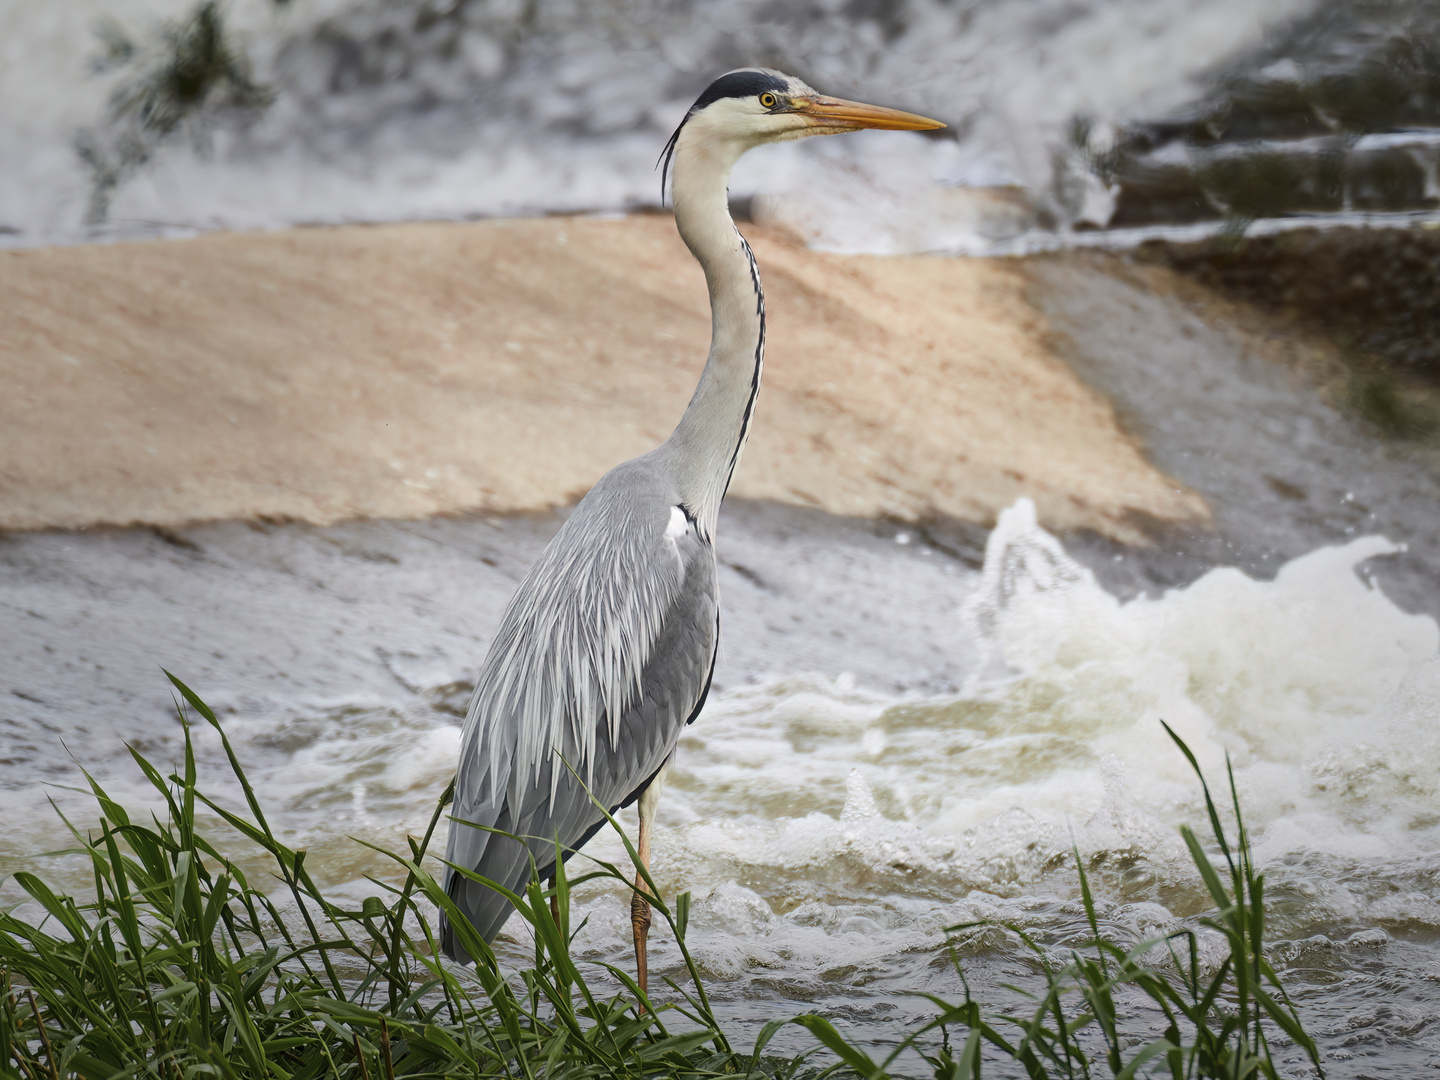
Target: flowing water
832,835
898,743
831,823
388,111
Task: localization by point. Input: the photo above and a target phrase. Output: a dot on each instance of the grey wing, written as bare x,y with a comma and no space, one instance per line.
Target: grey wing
602,657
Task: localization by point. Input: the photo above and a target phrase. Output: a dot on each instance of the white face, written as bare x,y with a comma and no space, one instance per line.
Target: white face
791,110
760,118
783,108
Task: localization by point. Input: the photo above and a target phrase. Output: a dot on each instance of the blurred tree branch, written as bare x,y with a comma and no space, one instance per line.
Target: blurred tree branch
180,82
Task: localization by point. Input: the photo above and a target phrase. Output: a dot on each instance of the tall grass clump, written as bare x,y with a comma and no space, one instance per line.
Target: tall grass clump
179,967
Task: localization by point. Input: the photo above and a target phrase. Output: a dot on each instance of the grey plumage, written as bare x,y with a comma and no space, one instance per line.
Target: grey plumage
607,649
602,656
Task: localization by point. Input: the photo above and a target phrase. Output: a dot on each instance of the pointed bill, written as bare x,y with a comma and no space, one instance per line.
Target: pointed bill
840,115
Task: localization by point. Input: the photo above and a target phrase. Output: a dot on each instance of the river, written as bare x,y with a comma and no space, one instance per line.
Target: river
905,735
898,743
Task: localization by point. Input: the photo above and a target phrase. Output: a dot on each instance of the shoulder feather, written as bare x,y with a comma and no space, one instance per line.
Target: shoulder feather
566,663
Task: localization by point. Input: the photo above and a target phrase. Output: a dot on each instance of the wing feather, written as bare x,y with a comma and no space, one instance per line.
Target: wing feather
601,657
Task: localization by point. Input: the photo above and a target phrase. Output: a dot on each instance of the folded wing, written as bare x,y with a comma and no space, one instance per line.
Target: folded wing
602,656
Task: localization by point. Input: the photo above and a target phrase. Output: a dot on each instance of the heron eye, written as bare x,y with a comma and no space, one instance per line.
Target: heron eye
767,100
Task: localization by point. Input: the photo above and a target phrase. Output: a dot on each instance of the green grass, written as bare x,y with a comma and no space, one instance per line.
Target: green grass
178,966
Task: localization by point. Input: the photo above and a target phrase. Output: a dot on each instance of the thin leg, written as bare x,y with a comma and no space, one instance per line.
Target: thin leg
640,902
555,905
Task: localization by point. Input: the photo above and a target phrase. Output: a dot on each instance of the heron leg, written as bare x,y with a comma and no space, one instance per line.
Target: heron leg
555,903
640,910
640,901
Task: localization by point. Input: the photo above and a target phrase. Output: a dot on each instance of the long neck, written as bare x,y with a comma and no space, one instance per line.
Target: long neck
706,444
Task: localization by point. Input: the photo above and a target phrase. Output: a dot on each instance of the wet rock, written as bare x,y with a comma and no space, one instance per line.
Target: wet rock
1375,291
505,366
1340,114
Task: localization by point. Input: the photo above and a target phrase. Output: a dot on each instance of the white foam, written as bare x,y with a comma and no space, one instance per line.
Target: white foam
1322,691
1295,678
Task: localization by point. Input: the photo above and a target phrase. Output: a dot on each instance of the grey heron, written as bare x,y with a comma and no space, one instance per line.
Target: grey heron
606,651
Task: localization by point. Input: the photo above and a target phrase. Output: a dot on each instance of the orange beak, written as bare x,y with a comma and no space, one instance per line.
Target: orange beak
837,114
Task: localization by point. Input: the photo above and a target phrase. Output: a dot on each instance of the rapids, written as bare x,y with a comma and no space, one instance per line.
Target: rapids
898,744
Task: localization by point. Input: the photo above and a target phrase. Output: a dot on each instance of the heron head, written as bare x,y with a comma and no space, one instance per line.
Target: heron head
750,106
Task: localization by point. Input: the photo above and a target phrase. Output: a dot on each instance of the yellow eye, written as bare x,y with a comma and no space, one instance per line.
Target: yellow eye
767,100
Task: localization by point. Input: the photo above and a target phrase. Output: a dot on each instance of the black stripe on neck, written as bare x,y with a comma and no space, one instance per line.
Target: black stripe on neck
759,361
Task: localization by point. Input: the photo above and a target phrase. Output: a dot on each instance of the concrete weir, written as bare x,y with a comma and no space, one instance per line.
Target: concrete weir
400,371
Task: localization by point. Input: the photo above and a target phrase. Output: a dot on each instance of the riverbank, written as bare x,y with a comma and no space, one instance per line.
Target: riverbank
322,375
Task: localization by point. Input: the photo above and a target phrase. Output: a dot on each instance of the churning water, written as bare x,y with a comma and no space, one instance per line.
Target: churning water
832,835
831,827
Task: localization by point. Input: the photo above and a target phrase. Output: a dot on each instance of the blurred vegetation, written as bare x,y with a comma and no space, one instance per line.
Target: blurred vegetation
177,82
1397,408
179,966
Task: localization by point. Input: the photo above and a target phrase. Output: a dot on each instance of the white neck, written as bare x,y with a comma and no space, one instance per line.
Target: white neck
706,445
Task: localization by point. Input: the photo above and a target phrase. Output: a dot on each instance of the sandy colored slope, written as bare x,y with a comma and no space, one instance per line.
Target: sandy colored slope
399,371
